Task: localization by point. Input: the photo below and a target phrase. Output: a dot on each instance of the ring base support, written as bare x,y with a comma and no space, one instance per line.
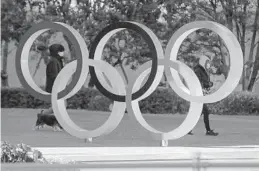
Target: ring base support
164,143
90,140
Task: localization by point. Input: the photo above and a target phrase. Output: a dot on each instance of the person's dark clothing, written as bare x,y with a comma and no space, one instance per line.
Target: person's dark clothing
206,113
206,84
203,77
53,68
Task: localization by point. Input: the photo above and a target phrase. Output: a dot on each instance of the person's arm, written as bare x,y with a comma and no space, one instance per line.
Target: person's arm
207,83
204,78
199,75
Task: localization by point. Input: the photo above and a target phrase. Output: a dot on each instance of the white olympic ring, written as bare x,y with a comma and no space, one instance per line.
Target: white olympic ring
166,62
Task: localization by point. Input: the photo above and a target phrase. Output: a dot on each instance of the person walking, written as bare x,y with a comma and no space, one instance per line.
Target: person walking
206,84
54,66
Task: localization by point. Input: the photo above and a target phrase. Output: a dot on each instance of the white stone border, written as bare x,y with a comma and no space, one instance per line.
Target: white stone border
95,154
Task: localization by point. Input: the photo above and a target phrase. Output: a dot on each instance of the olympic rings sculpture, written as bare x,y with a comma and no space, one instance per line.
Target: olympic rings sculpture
128,96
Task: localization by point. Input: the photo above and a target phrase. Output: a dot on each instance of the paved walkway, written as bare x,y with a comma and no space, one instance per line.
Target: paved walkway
17,127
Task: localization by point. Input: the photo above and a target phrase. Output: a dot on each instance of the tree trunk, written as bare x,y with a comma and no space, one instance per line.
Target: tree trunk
243,38
255,71
133,15
225,60
124,73
4,75
71,48
65,10
243,78
251,53
91,82
37,66
254,34
228,10
166,82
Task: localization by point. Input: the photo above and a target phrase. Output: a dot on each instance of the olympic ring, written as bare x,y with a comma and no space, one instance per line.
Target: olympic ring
22,55
128,96
194,110
236,60
102,38
60,109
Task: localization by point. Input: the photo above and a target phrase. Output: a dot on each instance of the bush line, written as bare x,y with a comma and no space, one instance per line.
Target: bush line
161,101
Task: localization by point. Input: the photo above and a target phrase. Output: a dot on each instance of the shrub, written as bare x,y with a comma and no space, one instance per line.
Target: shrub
163,101
19,154
237,103
99,103
22,153
159,102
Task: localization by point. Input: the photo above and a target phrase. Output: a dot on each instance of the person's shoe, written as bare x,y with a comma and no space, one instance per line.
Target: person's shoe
190,133
212,133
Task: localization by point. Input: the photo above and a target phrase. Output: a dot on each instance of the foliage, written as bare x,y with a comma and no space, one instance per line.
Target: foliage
22,153
19,153
239,102
160,101
89,17
253,68
13,19
127,48
13,25
239,17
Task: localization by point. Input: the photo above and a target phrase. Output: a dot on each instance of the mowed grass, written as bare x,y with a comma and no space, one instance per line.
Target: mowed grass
17,127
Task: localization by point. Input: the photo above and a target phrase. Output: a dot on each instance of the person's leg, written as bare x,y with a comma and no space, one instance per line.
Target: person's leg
206,113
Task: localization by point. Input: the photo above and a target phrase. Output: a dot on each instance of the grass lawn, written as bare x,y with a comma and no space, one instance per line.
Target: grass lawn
17,124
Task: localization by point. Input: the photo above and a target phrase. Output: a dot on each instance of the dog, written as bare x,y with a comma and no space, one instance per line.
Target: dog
47,119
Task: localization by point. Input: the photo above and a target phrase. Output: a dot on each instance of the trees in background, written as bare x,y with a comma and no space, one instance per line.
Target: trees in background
163,17
13,24
255,63
242,19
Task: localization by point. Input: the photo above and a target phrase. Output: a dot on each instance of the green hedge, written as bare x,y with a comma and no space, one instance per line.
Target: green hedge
160,102
20,154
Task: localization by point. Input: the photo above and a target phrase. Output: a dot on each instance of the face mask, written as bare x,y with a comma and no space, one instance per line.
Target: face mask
61,54
208,64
